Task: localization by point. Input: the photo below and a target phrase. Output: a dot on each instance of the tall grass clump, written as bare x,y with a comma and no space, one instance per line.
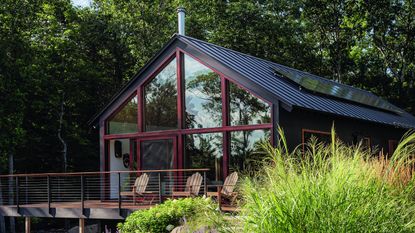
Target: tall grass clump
331,188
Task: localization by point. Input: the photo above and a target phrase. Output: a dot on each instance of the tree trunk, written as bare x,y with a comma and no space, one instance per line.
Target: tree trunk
2,222
64,145
11,192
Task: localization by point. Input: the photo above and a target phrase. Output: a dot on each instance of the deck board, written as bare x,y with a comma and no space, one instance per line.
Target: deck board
103,204
87,204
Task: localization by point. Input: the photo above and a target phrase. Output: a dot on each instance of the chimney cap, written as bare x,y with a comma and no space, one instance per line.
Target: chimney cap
181,9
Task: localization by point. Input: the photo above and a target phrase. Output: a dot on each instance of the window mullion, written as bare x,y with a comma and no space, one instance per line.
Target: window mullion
225,122
140,109
225,101
180,108
180,89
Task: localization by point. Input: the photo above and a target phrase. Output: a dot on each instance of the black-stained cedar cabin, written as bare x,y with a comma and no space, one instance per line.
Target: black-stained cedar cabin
196,105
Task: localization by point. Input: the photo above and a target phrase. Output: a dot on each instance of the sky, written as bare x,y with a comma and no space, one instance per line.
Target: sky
82,3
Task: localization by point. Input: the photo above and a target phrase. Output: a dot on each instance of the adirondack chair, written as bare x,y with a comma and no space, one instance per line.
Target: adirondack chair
139,187
192,187
227,190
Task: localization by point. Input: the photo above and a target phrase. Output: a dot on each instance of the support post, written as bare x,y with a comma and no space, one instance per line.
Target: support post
27,224
119,193
81,225
159,176
49,194
17,194
220,197
204,184
82,195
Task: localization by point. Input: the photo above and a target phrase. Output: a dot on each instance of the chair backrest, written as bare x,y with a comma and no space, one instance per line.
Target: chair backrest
230,183
193,183
140,183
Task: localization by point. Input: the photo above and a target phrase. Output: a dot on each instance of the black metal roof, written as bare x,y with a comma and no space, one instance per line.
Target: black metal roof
262,72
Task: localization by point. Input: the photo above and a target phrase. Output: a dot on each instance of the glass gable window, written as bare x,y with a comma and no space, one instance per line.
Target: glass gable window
124,121
247,109
202,95
205,151
160,100
246,153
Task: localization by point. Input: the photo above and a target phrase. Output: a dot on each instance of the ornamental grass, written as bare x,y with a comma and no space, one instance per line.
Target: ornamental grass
331,188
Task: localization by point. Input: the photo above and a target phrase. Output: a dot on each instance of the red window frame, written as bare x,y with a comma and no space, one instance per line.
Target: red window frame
124,103
179,133
392,144
312,131
368,140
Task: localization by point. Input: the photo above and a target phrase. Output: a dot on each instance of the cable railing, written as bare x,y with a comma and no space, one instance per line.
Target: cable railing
100,189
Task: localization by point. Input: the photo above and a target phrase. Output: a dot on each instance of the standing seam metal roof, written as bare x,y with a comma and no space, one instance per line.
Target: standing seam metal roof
262,72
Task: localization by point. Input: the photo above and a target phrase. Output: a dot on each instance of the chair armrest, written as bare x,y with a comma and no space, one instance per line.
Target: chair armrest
126,193
212,194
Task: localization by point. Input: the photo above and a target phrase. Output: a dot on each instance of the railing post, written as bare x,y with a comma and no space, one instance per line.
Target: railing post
17,194
82,195
204,184
26,191
159,180
220,197
49,194
119,193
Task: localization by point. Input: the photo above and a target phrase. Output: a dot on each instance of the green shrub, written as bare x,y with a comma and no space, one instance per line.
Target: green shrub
330,188
164,217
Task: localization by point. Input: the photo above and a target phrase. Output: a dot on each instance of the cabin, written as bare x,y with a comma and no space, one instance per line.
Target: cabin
197,107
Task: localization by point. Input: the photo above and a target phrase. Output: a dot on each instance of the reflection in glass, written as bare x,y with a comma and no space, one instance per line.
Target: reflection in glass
205,151
156,154
247,109
203,95
125,121
160,100
246,151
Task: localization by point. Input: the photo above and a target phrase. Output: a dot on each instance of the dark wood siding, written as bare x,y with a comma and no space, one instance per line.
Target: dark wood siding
346,128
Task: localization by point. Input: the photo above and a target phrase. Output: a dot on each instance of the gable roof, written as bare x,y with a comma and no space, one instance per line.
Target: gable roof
262,73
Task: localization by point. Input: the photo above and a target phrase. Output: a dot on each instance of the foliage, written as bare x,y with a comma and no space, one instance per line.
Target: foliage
170,214
331,188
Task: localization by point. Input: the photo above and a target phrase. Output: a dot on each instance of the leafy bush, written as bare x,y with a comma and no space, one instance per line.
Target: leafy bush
331,188
166,216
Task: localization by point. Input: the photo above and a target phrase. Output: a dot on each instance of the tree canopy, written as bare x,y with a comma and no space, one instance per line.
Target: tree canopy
59,64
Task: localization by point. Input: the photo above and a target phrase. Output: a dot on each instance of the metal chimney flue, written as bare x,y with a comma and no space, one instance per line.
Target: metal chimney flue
181,14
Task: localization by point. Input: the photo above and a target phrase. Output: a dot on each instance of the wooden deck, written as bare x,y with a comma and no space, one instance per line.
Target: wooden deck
105,205
87,204
91,195
93,209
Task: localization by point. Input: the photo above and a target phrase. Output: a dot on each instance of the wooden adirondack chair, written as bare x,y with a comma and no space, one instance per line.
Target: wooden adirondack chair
227,190
192,187
139,187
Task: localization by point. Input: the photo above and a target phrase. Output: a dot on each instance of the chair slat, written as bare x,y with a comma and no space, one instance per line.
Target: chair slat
141,183
230,183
